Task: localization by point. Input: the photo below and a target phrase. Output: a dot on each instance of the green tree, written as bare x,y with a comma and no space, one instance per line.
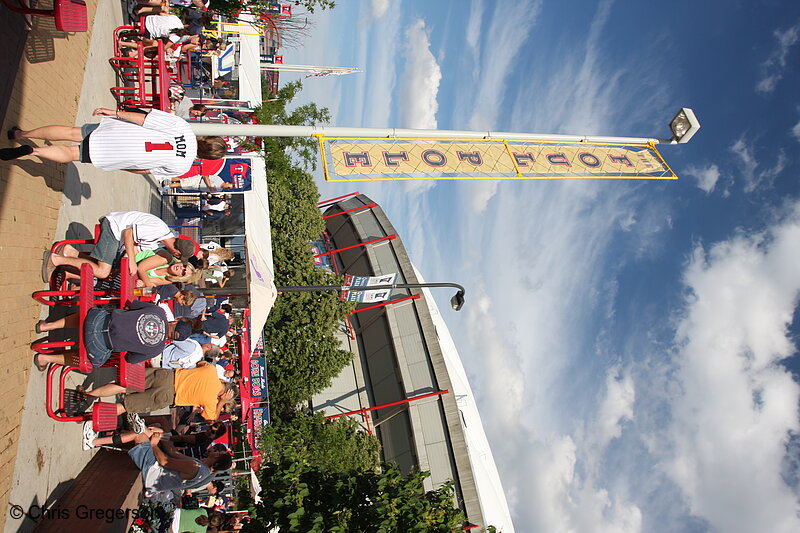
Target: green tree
273,111
296,496
303,352
336,445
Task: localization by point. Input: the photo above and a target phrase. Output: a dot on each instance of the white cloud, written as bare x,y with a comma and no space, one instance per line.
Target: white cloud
774,66
796,131
616,407
378,8
629,220
707,177
420,80
749,166
476,17
736,405
497,58
481,192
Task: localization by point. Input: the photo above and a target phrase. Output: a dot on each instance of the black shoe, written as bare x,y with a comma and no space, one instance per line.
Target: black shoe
7,154
10,133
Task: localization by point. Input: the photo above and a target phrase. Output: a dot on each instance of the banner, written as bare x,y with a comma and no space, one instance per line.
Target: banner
259,418
379,295
234,170
257,368
411,159
321,261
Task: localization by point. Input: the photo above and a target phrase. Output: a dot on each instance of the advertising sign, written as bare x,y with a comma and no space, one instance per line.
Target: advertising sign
321,261
258,377
259,418
409,159
233,170
366,296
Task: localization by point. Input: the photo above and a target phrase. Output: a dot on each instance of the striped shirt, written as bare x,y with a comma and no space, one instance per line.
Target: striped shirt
165,145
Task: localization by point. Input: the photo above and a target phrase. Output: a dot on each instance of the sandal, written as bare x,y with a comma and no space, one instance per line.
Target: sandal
12,133
40,367
38,328
47,267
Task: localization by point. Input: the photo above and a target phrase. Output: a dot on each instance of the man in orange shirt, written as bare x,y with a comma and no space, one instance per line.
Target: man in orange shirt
199,387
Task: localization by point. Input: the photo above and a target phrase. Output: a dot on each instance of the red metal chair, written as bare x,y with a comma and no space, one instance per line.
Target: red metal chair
129,375
69,15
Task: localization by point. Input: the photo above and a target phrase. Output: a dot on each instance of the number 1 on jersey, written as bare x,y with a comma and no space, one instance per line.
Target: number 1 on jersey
149,147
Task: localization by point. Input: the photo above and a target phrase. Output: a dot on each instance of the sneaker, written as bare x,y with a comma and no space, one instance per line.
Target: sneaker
89,434
136,423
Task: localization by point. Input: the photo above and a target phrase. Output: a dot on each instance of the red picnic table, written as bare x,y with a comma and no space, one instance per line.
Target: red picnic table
69,15
104,414
142,74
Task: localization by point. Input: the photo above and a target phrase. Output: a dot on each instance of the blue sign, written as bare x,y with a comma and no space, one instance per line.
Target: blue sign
258,377
259,419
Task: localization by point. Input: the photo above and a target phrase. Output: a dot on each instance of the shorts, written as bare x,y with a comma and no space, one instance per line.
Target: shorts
159,384
107,246
86,131
142,454
96,337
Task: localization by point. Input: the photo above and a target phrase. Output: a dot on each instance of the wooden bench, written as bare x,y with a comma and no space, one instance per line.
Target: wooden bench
69,15
102,499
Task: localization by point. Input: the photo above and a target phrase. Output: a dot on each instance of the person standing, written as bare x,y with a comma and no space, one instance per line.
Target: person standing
153,142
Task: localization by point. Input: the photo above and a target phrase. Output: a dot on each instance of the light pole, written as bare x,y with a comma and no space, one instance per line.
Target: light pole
456,302
683,127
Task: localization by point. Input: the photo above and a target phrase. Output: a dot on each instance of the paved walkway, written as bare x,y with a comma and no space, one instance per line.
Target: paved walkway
59,79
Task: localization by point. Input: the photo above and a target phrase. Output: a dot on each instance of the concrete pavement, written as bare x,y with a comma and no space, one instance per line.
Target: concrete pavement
59,79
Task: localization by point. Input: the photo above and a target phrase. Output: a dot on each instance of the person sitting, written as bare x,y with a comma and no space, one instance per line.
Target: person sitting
187,353
141,330
219,274
200,520
165,471
157,6
196,443
164,387
134,230
214,253
159,268
187,109
140,142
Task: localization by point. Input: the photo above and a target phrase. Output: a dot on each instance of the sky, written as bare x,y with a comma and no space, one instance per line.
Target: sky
632,345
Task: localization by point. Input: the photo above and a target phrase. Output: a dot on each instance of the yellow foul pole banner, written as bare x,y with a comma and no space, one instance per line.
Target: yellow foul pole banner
370,159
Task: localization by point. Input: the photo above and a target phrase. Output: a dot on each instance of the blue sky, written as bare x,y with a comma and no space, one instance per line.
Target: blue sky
630,344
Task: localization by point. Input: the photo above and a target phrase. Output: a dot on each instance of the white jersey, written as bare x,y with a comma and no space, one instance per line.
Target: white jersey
159,26
165,145
148,230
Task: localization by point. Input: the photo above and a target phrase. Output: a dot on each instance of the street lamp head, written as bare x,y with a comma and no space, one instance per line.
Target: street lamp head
684,125
457,301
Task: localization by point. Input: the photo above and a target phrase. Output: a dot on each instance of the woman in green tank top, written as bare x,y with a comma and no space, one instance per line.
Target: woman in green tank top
160,268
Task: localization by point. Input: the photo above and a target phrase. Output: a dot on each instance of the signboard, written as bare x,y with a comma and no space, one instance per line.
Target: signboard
346,159
320,261
259,419
257,367
234,170
378,295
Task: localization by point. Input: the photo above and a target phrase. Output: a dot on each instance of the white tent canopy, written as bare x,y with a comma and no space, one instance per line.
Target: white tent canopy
258,240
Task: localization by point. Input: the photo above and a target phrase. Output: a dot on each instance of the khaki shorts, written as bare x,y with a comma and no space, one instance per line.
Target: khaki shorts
159,392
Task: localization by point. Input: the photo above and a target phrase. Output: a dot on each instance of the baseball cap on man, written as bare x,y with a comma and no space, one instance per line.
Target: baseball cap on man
186,248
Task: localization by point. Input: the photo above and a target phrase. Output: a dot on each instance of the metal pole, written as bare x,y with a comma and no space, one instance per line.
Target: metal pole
314,288
392,404
273,130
